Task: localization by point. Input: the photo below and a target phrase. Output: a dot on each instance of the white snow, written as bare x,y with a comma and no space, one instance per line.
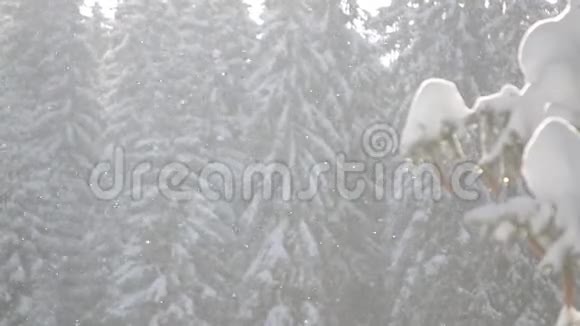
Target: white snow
537,123
397,253
555,95
518,215
550,168
433,265
548,59
548,41
273,252
551,159
501,101
108,6
279,316
437,108
557,88
158,289
569,317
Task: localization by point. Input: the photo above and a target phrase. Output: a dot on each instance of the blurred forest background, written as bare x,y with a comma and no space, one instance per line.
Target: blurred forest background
198,81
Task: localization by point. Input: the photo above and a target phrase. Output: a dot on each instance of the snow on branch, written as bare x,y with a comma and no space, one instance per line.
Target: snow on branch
437,112
551,170
548,41
528,133
569,317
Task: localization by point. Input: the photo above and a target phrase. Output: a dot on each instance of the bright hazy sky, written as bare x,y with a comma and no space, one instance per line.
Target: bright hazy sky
108,6
373,5
370,5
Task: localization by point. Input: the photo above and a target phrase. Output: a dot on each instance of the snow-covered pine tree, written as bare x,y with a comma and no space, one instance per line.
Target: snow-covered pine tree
53,127
410,28
217,38
16,274
98,27
153,275
173,72
310,80
474,44
531,133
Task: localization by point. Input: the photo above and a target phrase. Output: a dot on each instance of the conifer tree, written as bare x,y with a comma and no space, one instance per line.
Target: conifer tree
49,219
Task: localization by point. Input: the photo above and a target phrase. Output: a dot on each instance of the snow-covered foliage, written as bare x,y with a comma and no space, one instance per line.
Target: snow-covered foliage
548,42
549,168
310,71
437,111
530,133
197,81
568,317
466,42
173,82
51,124
547,58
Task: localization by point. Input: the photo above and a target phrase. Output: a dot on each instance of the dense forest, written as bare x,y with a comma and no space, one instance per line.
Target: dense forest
191,83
